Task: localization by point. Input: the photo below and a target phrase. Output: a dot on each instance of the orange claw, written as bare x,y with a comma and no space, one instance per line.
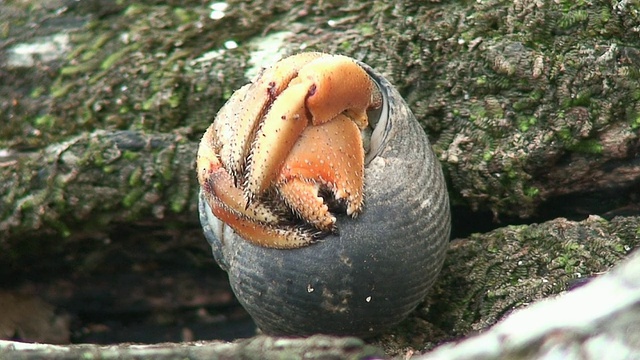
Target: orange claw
324,88
281,143
329,155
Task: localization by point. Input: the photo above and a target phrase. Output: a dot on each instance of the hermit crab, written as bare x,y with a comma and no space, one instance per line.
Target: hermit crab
322,199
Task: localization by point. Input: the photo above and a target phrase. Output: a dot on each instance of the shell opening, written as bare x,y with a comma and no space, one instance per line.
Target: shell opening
375,134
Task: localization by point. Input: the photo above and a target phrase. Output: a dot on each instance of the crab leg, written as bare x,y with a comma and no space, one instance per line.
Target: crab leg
219,187
256,222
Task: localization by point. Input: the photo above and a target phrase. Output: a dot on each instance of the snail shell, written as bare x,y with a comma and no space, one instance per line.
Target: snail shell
377,268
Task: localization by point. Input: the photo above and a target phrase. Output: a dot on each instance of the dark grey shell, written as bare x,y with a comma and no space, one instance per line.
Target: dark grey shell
379,267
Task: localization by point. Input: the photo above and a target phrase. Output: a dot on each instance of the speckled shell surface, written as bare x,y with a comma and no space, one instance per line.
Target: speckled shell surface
379,267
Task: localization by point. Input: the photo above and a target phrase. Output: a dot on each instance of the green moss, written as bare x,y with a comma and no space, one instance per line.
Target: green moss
200,86
132,196
30,201
572,18
178,204
46,120
101,40
61,89
565,135
134,11
512,174
605,15
588,146
118,55
632,72
37,92
94,79
135,177
531,191
494,108
366,29
501,82
176,56
148,104
488,155
536,95
184,15
174,100
88,55
526,122
76,69
635,123
523,104
477,112
61,228
345,46
165,165
582,99
79,49
130,155
5,30
620,248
